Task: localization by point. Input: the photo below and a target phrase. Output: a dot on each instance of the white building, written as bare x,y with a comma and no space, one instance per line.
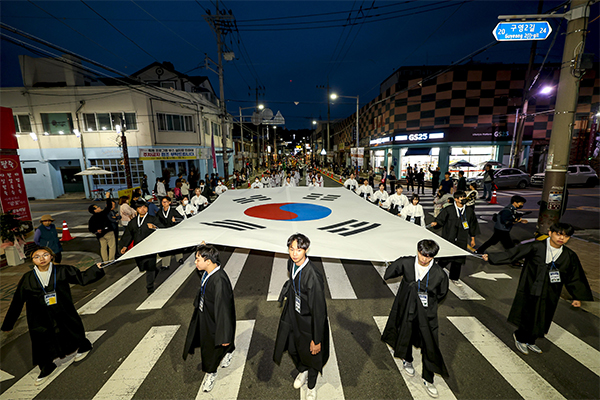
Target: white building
67,120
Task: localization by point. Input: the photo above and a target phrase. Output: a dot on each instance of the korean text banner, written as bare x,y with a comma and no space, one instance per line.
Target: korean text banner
338,223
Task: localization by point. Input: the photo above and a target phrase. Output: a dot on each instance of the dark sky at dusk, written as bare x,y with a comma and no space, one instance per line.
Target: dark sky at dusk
356,44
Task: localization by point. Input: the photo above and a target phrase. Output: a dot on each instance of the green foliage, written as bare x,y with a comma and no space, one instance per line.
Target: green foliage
10,227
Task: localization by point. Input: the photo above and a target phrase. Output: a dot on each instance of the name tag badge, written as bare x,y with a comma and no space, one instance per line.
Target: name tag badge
50,299
465,225
554,277
424,298
201,305
412,219
297,304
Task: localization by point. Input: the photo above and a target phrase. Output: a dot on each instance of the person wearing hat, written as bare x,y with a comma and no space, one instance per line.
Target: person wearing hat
46,236
137,230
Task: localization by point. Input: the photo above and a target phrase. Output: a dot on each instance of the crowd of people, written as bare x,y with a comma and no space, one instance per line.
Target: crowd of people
303,332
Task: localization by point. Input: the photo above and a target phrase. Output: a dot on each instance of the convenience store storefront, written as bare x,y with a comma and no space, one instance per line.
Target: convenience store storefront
442,148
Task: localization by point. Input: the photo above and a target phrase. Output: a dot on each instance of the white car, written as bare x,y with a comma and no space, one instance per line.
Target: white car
576,175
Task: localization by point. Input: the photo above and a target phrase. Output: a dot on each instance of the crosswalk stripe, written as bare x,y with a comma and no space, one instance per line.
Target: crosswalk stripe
5,376
279,275
25,389
329,385
463,292
393,284
126,380
415,384
513,369
235,264
167,289
337,279
575,347
110,293
227,385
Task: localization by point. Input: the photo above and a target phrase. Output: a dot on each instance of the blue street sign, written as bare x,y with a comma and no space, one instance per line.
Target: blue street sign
516,31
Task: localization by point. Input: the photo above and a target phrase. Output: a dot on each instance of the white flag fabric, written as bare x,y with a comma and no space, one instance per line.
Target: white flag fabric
338,223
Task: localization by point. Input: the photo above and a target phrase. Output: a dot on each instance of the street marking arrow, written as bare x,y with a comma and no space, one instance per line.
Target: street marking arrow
4,376
490,277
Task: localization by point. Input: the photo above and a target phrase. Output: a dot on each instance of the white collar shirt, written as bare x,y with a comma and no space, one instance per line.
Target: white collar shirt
295,273
44,276
420,271
552,253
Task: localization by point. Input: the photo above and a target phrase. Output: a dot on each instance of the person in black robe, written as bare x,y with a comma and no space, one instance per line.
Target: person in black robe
303,327
459,227
137,230
212,327
55,328
413,320
169,217
549,265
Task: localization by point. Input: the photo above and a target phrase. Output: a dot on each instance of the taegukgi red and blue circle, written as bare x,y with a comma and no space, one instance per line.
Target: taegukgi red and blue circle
289,212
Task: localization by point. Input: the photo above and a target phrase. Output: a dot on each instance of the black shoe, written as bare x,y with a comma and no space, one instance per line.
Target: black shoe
45,374
150,291
180,261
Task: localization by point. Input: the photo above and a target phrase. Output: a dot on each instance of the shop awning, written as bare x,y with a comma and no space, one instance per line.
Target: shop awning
419,151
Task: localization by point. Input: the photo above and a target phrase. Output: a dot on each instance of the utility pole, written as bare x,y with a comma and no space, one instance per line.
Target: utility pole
327,88
215,22
559,148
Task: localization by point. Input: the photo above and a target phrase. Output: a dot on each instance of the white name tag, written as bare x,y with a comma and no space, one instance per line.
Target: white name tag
50,299
554,277
424,299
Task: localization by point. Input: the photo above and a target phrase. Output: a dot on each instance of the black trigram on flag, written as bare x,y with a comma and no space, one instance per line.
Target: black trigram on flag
350,227
250,199
234,224
321,196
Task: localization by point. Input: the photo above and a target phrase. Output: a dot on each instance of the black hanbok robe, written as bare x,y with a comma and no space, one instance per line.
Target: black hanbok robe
134,233
215,325
452,228
55,330
535,288
297,330
407,306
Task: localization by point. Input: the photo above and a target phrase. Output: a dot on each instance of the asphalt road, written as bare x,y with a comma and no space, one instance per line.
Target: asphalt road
475,339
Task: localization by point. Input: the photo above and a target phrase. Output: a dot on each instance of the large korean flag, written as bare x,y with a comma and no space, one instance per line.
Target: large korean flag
338,223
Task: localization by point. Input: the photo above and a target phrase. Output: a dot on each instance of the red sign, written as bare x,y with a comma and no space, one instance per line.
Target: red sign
12,188
8,138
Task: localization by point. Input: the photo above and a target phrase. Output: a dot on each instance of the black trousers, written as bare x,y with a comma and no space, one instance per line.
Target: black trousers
410,183
312,375
498,236
524,332
434,186
455,265
426,374
421,185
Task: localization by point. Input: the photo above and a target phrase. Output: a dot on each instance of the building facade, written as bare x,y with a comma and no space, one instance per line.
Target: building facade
431,119
67,121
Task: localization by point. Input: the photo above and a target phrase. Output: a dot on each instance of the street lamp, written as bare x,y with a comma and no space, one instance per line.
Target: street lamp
335,96
260,107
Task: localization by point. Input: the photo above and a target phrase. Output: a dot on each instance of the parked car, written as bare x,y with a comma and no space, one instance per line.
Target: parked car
576,175
505,178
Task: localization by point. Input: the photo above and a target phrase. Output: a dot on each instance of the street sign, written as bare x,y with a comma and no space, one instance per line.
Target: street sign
524,30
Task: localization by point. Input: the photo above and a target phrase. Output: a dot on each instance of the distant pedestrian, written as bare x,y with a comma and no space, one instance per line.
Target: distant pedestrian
447,185
144,185
55,328
212,327
410,179
435,179
127,213
392,179
462,181
488,181
160,188
100,225
47,236
420,177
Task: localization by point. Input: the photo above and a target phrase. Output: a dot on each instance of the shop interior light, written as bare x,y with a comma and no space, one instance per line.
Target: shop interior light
33,136
90,130
61,132
46,133
77,133
103,128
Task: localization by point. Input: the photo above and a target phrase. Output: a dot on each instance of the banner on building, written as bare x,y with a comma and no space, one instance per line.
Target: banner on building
168,153
358,156
128,192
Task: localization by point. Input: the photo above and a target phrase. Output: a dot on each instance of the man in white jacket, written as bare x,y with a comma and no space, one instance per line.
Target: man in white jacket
351,183
396,202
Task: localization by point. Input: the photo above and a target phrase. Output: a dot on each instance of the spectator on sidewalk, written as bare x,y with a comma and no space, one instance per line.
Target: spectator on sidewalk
114,218
435,179
47,236
420,177
410,178
100,225
488,181
144,185
447,185
127,213
161,190
462,181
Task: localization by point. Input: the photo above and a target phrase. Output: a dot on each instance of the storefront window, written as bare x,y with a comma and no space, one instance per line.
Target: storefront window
475,155
377,158
424,157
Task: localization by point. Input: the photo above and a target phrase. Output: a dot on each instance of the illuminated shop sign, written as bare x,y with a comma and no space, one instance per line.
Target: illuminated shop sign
419,137
382,140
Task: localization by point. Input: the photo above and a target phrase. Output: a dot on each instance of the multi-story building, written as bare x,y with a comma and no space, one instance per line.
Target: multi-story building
68,120
428,118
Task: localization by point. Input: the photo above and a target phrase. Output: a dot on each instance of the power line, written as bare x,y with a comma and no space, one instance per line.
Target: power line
117,29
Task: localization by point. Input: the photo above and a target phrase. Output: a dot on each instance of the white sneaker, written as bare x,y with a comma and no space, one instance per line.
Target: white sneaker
300,379
408,367
534,348
311,394
80,356
457,283
209,381
226,361
431,389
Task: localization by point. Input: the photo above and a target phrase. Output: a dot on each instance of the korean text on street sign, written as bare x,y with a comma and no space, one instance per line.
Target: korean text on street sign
515,31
